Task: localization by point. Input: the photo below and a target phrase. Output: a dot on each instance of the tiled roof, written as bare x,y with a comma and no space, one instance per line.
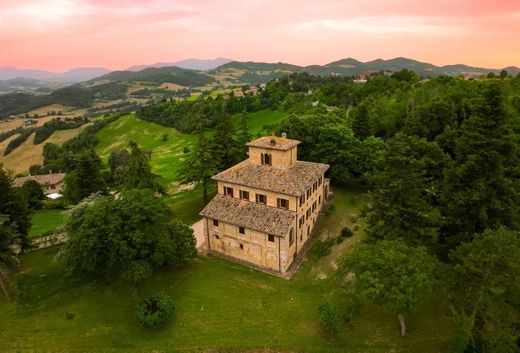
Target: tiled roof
274,143
294,180
250,215
45,179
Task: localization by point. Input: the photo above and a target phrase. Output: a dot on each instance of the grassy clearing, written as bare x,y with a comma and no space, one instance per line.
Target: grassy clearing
221,306
257,120
44,221
166,155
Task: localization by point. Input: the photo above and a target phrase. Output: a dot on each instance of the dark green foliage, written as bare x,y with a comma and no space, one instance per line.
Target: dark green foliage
346,232
361,122
243,137
395,275
155,310
13,208
117,162
322,247
200,165
46,130
224,144
85,179
137,173
404,191
33,193
330,318
483,286
481,187
127,237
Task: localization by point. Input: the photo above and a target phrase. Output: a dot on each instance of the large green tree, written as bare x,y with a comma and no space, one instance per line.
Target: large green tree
404,190
33,192
200,165
243,136
483,288
86,178
14,225
482,187
394,275
224,144
126,238
137,172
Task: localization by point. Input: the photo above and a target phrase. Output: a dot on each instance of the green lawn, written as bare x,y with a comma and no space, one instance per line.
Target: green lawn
44,221
220,306
166,155
257,120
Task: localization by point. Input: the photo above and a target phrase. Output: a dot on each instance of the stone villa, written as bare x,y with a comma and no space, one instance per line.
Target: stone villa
266,206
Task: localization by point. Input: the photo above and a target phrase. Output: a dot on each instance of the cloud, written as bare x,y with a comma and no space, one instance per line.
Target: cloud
60,34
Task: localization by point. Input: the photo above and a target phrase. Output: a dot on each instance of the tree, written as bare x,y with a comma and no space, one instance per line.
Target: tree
503,74
117,161
224,143
394,275
86,178
481,187
137,172
33,193
200,165
361,122
14,225
126,238
243,136
483,288
404,191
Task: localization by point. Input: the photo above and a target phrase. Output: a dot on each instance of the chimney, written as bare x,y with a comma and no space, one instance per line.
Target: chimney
284,135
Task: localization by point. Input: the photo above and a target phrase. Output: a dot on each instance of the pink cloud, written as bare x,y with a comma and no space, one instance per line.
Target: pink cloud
60,34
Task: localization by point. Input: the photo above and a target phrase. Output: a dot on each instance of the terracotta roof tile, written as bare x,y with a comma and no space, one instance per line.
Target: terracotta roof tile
294,180
274,143
45,179
250,215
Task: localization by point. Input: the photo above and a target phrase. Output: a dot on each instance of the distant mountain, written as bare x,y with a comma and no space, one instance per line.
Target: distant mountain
161,75
191,64
257,72
71,76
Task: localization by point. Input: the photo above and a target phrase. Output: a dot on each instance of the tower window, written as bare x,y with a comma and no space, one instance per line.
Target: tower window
266,158
261,198
270,237
241,230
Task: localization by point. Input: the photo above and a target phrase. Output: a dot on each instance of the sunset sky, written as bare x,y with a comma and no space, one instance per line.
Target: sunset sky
61,34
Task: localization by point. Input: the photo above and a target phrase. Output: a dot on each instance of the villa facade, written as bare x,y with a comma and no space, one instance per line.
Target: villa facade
266,206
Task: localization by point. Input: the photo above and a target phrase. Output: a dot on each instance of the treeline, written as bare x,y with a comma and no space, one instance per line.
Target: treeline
64,158
75,96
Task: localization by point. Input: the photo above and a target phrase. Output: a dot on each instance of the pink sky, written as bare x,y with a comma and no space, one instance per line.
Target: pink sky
61,34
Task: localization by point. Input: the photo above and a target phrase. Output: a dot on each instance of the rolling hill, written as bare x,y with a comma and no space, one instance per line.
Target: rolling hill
152,83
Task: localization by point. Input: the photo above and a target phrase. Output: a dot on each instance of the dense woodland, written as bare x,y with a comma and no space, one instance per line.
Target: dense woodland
441,158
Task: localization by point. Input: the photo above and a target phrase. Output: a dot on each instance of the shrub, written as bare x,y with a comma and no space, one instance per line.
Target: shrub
330,318
339,240
346,232
323,247
155,310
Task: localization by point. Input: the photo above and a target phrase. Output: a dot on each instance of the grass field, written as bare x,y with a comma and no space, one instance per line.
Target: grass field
44,221
27,154
166,155
220,306
257,120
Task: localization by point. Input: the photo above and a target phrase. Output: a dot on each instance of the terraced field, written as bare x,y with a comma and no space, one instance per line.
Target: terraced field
27,154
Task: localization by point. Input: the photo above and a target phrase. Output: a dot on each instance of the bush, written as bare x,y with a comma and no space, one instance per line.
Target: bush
330,318
323,247
339,240
346,232
56,204
155,310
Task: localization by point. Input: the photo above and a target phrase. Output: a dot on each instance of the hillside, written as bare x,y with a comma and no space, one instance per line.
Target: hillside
128,89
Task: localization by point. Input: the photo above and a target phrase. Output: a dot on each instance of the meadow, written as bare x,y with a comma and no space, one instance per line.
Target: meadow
220,307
